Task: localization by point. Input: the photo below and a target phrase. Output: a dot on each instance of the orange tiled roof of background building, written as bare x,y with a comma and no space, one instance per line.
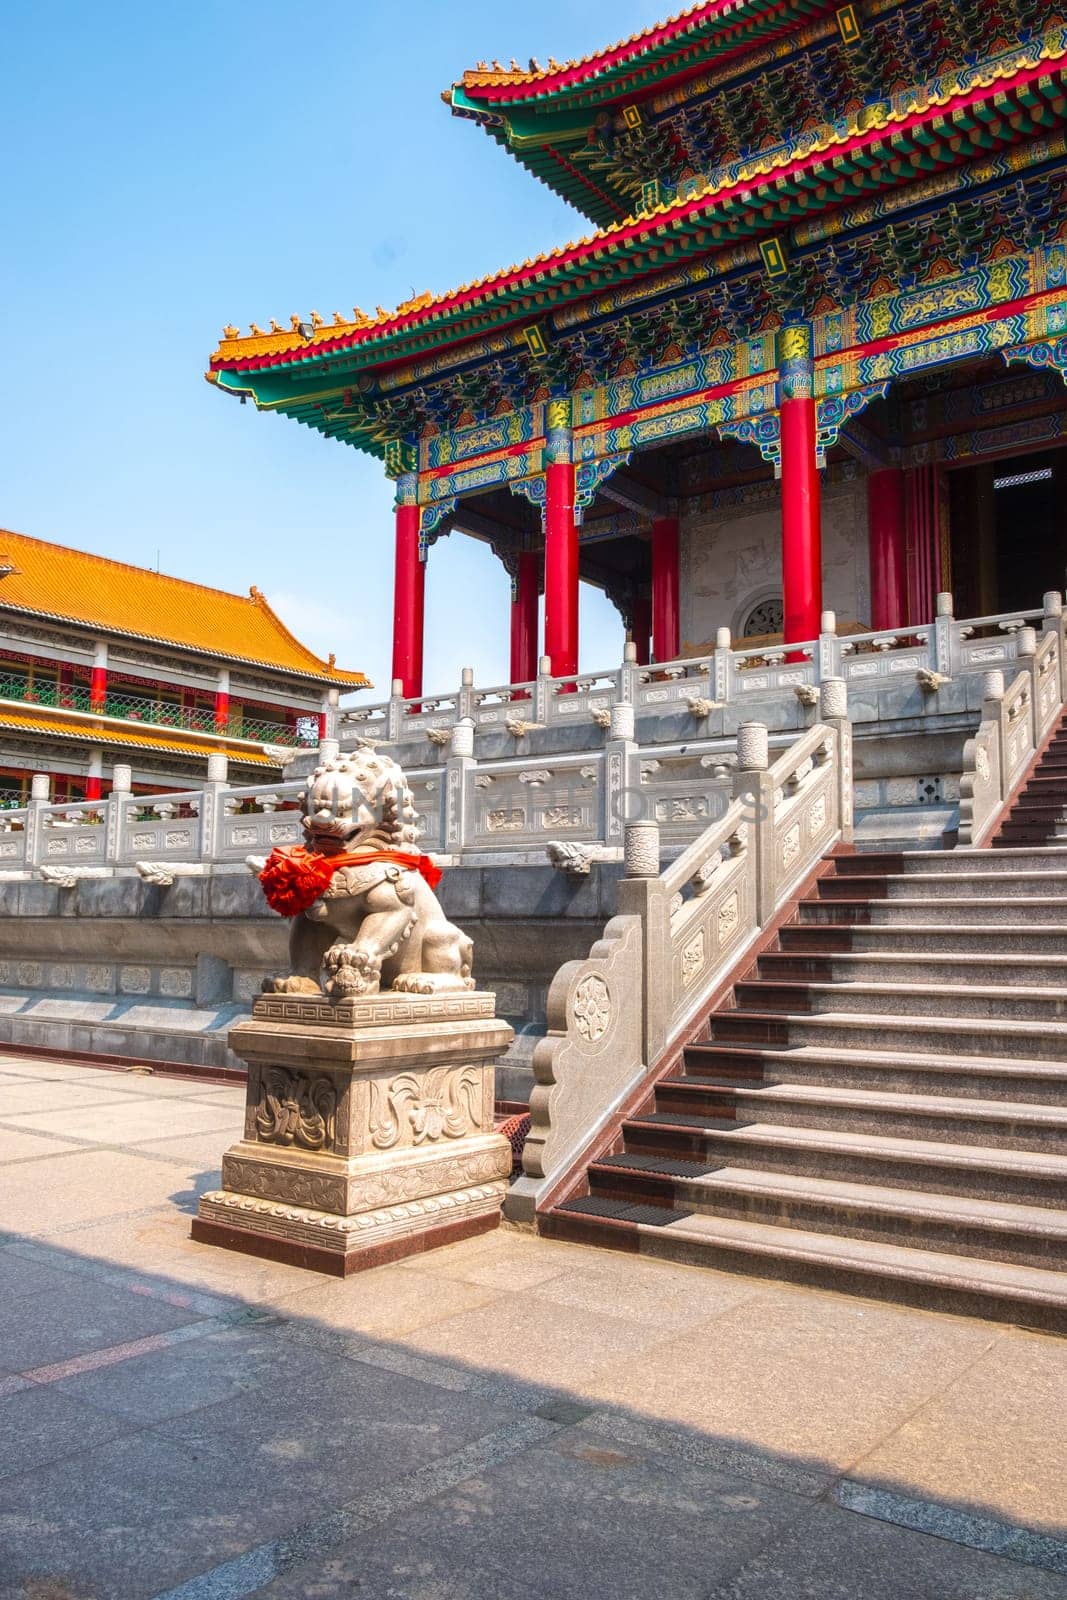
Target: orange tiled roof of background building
41,719
486,75
52,580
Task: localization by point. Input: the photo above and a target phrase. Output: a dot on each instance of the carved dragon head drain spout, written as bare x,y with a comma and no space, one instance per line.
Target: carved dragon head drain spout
365,915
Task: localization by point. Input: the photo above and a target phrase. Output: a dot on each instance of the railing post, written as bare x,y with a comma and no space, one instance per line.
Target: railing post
752,783
828,656
723,662
543,690
834,712
212,807
642,893
630,675
458,793
621,772
466,705
946,638
395,714
121,787
1025,653
40,796
1053,621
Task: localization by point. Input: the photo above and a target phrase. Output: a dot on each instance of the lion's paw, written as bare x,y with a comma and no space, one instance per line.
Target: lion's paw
349,970
291,985
431,983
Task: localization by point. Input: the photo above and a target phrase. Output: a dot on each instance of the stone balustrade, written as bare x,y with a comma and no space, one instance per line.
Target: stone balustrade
615,1016
725,678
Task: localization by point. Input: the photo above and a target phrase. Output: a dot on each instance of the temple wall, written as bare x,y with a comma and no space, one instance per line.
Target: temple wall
732,559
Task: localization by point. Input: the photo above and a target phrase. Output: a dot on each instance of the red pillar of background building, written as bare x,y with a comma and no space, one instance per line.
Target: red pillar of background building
801,497
886,535
561,545
222,703
666,637
641,629
524,596
98,679
92,788
409,590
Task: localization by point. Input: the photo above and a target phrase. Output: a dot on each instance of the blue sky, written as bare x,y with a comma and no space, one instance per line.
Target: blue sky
169,169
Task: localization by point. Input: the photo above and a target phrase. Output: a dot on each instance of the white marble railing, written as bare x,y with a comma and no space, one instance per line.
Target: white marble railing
1016,719
617,1016
722,678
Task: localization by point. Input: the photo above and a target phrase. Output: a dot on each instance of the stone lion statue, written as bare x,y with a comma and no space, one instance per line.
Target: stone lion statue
365,915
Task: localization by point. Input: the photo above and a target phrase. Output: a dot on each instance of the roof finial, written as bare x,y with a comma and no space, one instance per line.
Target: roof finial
230,332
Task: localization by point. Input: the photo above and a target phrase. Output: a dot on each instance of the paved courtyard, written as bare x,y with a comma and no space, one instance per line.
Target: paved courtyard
506,1419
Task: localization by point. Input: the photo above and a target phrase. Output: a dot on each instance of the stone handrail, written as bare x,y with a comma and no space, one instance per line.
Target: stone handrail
947,648
1015,722
615,1017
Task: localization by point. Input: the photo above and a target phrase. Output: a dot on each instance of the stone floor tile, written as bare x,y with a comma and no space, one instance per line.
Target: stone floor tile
19,1276
413,1574
83,1187
16,1144
385,1303
657,1293
995,1412
38,1425
124,1119
202,1151
48,1096
517,1337
847,1372
829,1554
59,1323
503,1259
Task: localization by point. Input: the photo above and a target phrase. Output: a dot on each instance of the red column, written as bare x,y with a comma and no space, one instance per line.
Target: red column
92,788
922,539
409,590
222,710
98,689
561,542
641,632
801,510
666,637
885,528
524,619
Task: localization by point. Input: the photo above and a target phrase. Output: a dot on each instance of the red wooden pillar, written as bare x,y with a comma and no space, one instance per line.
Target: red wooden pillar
524,596
222,703
93,782
409,594
666,637
561,545
801,499
641,629
98,679
922,524
886,535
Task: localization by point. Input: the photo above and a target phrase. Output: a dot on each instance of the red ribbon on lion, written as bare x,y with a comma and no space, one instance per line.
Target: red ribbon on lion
295,878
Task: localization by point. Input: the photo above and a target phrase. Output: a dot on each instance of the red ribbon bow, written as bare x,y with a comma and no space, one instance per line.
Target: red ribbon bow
295,878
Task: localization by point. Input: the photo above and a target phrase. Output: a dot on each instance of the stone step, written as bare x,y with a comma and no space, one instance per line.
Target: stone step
1006,1002
998,882
855,1030
957,863
988,1229
935,1166
1032,1082
957,911
1027,1296
1037,970
993,1124
918,938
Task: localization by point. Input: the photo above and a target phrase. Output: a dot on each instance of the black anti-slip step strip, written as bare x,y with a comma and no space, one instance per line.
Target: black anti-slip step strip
620,1211
666,1166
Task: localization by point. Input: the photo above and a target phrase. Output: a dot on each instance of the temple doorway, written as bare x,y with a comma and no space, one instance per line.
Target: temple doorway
1009,532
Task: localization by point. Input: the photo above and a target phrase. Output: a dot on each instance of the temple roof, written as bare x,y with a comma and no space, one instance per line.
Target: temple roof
340,378
38,578
541,113
61,725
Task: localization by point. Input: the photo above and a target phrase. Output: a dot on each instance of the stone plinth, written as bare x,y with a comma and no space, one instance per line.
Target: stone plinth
368,1130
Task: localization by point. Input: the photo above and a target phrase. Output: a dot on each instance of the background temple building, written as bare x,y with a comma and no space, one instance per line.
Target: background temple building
103,663
809,358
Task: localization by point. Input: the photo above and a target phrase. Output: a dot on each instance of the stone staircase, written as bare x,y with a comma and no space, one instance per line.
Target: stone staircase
880,1104
1038,815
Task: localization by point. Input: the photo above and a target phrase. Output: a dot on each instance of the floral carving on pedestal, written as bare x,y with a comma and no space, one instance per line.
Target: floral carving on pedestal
296,1109
592,1008
442,1105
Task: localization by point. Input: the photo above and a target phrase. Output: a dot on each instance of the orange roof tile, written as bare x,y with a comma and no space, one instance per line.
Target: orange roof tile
486,75
56,725
52,580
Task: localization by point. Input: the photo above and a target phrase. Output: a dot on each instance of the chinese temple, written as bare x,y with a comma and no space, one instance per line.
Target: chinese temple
104,663
810,354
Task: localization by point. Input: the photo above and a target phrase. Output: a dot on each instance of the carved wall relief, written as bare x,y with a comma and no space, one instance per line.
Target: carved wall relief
295,1108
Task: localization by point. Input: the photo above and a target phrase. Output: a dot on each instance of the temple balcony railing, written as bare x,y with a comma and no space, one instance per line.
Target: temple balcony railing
739,681
137,708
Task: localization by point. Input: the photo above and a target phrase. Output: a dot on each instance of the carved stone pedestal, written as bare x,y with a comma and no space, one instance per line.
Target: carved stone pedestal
368,1130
